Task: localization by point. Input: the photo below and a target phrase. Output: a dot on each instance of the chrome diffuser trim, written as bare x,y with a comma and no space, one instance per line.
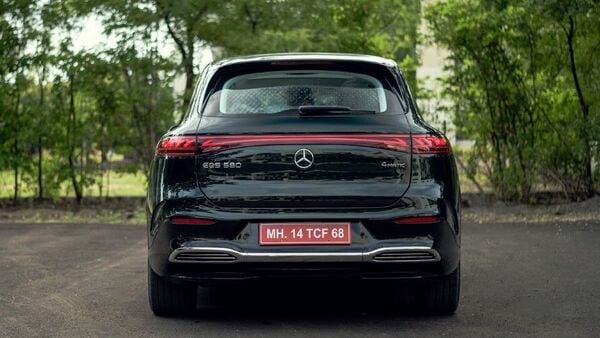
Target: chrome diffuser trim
268,256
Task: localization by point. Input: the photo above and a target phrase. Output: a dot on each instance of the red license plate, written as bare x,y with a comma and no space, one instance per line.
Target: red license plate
304,233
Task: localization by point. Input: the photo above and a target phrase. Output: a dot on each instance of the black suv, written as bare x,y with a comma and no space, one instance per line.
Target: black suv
302,166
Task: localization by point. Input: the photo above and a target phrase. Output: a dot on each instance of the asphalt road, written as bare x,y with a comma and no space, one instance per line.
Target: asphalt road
90,280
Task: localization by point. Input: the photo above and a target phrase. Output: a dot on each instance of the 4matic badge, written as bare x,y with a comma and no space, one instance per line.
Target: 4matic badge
400,165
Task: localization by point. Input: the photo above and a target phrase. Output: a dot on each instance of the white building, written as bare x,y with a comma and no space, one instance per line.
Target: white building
429,74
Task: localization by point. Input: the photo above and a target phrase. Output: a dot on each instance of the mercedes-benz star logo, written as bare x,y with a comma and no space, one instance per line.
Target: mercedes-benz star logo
304,158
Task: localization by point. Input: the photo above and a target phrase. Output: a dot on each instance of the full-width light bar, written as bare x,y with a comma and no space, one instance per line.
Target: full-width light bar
190,145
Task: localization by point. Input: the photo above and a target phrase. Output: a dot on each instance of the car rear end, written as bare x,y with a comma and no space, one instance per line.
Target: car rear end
302,167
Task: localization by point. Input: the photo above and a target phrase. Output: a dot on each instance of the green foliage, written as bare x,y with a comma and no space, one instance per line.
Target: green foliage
524,80
519,92
238,27
386,28
64,114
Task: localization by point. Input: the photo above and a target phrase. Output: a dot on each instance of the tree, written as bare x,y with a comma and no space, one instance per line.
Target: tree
185,23
379,27
145,103
577,21
509,71
64,111
18,24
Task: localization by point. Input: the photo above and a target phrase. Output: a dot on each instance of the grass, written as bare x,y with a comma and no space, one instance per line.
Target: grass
118,185
125,205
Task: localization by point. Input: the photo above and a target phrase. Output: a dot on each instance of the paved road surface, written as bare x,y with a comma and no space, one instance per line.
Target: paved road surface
90,280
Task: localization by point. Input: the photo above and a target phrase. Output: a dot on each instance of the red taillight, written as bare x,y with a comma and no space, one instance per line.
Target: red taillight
430,144
191,221
417,220
396,142
176,146
187,145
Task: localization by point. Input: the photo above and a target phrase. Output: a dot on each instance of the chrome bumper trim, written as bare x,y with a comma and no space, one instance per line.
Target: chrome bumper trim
267,256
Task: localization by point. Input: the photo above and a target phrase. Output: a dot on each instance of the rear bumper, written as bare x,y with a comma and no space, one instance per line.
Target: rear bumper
215,275
223,255
229,250
218,265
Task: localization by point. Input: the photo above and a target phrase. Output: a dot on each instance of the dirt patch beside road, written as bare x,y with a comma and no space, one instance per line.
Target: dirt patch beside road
115,210
482,210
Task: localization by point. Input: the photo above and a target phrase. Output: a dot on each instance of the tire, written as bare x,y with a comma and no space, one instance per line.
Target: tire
441,295
170,299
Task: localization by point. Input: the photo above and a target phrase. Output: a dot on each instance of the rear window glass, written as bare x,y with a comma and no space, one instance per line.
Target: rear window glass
285,91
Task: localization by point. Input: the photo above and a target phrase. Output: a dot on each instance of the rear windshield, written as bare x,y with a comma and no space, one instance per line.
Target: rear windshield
279,92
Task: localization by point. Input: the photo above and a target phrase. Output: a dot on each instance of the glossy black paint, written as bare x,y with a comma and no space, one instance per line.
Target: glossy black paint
341,177
347,183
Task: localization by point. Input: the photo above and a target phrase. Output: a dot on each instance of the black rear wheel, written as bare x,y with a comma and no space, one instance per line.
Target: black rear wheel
170,299
441,295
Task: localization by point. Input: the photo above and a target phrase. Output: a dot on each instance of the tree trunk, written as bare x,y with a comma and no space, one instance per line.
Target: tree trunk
40,148
72,122
585,110
108,181
189,85
16,173
40,181
186,47
189,74
470,174
76,187
16,158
